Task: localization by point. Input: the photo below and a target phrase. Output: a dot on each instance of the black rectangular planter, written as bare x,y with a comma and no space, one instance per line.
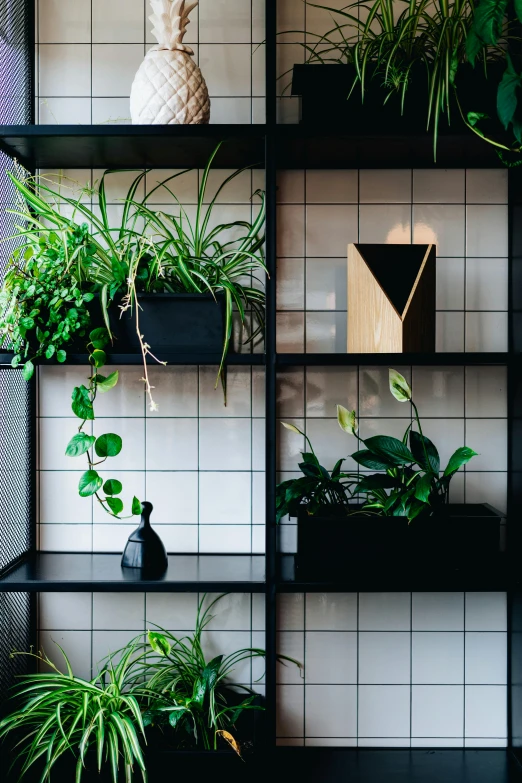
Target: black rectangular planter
177,323
327,98
328,544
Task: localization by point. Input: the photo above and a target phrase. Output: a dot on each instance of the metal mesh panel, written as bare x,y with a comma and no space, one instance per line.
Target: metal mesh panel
16,426
15,611
15,466
15,62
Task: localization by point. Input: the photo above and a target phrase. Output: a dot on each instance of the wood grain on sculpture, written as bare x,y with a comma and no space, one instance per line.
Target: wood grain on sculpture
169,88
391,298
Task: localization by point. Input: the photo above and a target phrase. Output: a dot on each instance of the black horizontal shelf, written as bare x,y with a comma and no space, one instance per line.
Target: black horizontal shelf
327,147
131,146
426,574
301,359
390,359
340,765
169,358
189,146
64,571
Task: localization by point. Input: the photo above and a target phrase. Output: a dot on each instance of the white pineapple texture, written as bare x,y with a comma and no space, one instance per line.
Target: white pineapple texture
169,88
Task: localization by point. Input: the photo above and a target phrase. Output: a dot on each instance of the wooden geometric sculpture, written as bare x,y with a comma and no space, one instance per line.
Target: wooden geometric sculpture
391,298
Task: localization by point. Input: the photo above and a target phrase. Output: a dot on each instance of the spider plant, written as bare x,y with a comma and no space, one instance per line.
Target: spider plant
94,721
189,696
195,256
387,41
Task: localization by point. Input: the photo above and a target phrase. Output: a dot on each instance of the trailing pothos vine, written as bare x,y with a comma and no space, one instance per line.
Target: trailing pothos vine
97,449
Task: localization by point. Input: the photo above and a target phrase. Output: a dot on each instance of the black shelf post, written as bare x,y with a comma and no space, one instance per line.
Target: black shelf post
271,370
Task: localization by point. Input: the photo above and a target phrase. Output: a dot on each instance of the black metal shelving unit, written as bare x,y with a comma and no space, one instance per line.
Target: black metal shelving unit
272,147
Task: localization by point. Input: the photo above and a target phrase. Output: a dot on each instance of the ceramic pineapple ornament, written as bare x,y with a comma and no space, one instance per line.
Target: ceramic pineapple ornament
169,88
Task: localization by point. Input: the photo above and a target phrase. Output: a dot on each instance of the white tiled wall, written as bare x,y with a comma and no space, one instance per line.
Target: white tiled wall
393,669
89,52
89,626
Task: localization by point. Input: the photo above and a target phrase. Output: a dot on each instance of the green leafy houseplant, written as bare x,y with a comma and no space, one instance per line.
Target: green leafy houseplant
408,482
188,697
95,722
149,251
104,446
387,41
167,695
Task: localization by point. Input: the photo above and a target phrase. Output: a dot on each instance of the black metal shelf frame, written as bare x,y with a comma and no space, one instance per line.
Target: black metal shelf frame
276,147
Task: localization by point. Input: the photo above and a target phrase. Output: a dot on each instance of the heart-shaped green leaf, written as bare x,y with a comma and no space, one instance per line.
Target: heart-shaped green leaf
115,505
136,506
98,358
79,444
28,371
108,445
89,483
108,383
81,403
112,487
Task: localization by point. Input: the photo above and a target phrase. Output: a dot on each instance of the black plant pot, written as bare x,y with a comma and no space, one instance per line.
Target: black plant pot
178,323
144,550
328,544
324,91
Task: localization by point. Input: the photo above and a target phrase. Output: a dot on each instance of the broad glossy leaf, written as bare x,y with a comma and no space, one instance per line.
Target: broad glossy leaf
28,370
81,403
98,358
79,444
368,459
136,506
89,483
108,383
61,356
309,458
460,457
507,95
423,488
49,353
108,445
336,472
115,505
112,487
488,20
99,336
347,420
390,448
417,450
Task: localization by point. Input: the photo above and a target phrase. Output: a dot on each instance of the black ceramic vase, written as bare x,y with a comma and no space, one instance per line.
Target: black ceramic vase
144,549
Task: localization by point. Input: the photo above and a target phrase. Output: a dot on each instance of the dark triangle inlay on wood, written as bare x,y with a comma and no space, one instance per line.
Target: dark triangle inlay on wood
395,267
